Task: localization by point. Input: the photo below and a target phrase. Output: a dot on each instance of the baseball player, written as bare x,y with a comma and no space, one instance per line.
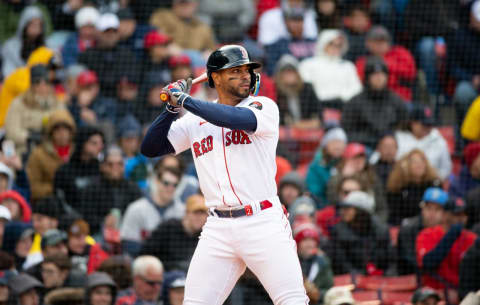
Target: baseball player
233,142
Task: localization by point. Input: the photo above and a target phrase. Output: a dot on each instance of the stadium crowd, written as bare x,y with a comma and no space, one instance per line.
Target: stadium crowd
85,218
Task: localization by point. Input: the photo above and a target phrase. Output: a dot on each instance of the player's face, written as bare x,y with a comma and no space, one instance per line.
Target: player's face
236,81
149,286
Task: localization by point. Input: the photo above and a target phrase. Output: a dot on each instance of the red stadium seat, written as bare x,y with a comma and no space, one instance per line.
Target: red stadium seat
395,297
387,283
394,235
342,280
364,296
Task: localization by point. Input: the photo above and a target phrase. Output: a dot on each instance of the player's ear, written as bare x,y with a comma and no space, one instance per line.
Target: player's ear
216,78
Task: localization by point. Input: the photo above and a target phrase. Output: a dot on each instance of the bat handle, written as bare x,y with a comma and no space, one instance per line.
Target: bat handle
164,97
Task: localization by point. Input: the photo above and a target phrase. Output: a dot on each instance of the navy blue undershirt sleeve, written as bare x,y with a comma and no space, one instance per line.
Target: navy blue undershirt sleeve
156,143
434,258
222,115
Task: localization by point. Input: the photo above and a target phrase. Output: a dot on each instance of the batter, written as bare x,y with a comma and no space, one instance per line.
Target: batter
233,142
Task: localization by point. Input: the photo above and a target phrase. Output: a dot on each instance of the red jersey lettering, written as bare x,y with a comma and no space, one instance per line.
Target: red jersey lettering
237,137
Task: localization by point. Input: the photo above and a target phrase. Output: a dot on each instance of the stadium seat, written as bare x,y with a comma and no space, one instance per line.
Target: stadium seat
396,297
342,280
367,295
394,235
390,283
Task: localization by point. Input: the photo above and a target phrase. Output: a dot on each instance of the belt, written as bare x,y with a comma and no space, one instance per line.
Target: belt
245,210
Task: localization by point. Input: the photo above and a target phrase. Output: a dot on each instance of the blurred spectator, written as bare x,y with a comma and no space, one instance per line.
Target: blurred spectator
469,176
65,296
19,81
324,163
354,162
25,116
334,79
80,172
17,205
18,241
400,63
71,76
55,271
473,208
147,282
356,25
29,36
316,269
181,24
25,289
118,267
469,280
409,179
131,33
301,210
175,287
383,158
53,242
463,61
142,15
470,127
291,186
175,240
151,105
84,38
100,289
46,212
441,248
85,255
145,214
7,178
425,296
297,102
107,58
339,295
359,242
432,210
422,27
127,96
4,291
87,106
376,109
272,26
188,184
110,188
53,151
327,14
157,52
229,20
180,67
422,135
136,164
294,44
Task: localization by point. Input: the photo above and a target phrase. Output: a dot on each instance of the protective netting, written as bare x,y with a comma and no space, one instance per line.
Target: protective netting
378,161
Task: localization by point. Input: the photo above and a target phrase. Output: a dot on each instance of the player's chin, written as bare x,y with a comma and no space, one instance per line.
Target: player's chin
243,92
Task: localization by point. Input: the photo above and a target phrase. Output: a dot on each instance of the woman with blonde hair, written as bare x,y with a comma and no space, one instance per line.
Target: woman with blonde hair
407,182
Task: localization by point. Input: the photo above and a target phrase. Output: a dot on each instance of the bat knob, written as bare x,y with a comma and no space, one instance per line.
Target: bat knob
164,97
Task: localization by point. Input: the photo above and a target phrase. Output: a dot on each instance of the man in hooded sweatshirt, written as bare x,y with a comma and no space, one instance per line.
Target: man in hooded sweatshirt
100,289
83,168
374,110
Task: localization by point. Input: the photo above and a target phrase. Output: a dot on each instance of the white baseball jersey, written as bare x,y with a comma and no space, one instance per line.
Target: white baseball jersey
234,167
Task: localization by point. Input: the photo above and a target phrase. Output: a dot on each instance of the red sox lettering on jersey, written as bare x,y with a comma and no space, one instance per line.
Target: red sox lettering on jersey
234,166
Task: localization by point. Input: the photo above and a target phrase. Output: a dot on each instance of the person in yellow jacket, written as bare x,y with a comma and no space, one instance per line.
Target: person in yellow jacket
471,123
19,81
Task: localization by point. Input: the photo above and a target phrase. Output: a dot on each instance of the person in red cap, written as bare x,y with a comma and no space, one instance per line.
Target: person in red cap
469,176
317,272
87,106
354,162
157,51
180,67
408,181
17,205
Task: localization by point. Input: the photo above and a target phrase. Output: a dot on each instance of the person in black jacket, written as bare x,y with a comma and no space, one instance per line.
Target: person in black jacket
469,271
110,61
174,241
374,110
432,205
359,242
108,191
297,102
83,168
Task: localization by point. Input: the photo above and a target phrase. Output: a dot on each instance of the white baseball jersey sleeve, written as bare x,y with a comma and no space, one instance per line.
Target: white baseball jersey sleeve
234,167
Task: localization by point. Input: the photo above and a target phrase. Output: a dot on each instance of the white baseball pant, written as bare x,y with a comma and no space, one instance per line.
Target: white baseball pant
263,242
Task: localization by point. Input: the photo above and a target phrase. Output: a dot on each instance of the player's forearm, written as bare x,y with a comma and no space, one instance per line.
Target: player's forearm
156,142
222,115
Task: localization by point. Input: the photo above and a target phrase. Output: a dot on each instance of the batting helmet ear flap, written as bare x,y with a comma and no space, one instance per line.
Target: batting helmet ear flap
211,84
254,82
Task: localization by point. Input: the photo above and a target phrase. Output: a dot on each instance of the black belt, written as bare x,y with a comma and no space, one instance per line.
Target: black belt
246,210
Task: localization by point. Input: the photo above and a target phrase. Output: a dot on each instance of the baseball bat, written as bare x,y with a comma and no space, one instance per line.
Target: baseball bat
202,78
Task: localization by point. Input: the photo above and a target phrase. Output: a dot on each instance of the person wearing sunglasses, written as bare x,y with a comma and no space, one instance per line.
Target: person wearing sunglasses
147,283
145,214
